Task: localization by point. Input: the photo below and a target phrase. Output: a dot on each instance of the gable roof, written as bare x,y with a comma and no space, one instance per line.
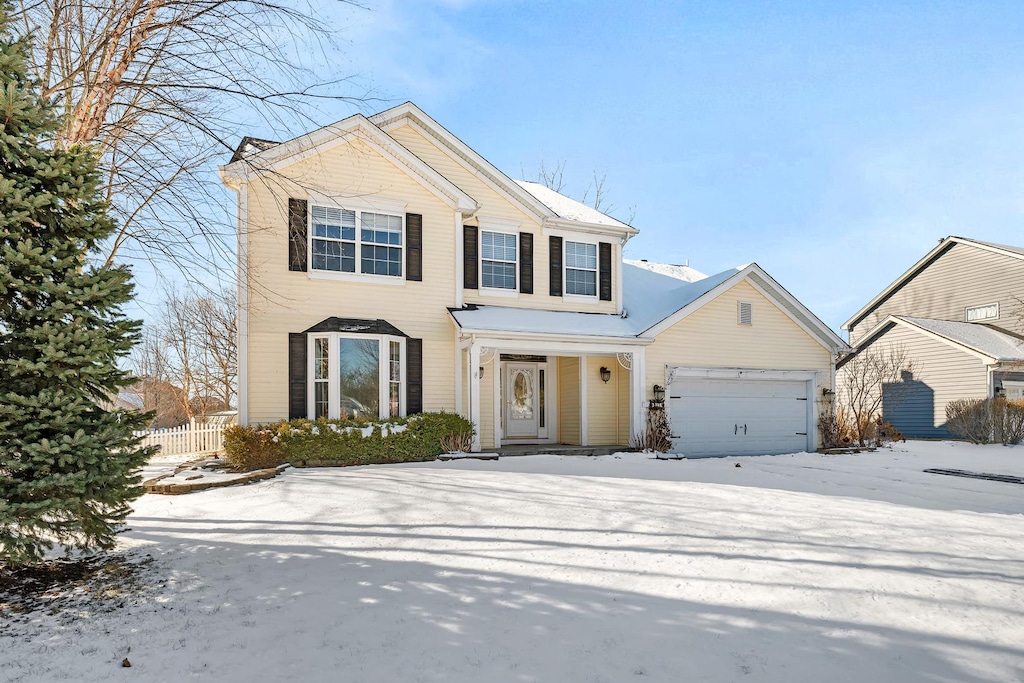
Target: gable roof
652,303
323,139
988,343
941,248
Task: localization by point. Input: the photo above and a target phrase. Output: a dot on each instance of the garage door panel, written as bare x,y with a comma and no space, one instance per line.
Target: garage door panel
712,417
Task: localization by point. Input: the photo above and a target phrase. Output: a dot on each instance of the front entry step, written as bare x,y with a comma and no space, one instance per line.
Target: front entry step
558,449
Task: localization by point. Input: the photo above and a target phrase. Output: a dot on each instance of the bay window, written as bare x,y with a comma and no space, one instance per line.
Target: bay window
356,376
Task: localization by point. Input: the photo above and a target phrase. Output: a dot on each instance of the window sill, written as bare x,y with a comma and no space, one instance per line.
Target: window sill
502,293
581,299
392,280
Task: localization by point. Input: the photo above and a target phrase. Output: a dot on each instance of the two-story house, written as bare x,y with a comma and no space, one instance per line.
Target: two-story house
958,314
386,268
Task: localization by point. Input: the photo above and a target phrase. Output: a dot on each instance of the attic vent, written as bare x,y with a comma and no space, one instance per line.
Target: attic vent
746,315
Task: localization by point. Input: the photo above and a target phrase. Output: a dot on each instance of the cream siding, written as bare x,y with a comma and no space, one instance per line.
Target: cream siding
487,385
497,205
941,373
282,301
712,337
568,400
604,403
963,276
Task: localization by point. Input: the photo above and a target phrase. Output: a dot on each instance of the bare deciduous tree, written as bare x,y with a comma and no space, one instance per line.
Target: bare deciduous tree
595,195
162,89
866,379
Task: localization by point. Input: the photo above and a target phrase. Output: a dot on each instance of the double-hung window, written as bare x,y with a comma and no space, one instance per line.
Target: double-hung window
581,268
336,241
498,260
356,376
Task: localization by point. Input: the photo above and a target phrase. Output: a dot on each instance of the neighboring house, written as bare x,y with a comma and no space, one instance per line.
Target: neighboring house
386,268
958,314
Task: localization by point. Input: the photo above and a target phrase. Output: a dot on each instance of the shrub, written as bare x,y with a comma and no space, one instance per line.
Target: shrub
1008,417
253,447
657,436
970,419
346,442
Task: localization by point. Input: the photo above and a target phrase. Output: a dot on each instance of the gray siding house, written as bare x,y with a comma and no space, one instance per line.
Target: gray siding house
959,313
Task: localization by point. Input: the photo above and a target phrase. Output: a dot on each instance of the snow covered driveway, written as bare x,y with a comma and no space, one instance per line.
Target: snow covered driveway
621,568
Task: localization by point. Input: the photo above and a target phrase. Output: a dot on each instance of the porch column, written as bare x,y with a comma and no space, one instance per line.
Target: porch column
474,393
637,392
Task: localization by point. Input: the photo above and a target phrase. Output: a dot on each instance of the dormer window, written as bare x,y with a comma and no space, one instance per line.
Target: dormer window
336,241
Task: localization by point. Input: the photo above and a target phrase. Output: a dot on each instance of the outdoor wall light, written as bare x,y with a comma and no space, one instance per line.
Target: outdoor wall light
606,374
659,392
827,393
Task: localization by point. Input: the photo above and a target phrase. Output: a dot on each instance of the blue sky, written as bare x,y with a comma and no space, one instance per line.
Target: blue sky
832,143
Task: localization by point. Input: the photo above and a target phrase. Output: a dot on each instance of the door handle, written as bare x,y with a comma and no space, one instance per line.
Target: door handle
735,429
744,430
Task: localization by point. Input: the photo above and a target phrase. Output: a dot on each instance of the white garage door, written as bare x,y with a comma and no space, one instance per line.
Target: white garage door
712,417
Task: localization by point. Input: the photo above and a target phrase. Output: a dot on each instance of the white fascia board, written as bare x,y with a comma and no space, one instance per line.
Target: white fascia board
817,329
555,346
557,226
354,127
695,305
409,113
878,330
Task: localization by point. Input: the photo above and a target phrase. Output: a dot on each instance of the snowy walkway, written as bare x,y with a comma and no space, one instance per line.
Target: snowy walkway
789,568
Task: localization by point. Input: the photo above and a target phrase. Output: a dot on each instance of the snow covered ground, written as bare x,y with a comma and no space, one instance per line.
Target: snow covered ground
544,568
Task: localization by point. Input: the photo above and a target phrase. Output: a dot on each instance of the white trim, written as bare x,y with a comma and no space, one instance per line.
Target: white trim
557,226
242,273
411,115
580,298
820,332
549,346
340,276
368,203
583,400
498,406
638,392
499,292
356,127
334,372
459,410
968,309
474,392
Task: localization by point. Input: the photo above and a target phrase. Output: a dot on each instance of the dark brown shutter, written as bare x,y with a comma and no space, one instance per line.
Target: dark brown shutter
526,262
414,247
555,266
470,255
297,376
604,270
298,229
413,376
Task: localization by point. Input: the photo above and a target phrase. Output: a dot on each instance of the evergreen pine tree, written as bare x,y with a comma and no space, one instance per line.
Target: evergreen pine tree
68,468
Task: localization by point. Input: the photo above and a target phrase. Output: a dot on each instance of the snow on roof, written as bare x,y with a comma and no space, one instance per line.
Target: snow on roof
250,145
570,209
508,319
981,338
648,298
679,272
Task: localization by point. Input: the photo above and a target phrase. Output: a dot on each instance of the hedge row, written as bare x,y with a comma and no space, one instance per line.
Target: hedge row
312,443
986,420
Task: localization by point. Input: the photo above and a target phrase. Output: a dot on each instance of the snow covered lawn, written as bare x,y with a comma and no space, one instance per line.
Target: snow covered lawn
545,568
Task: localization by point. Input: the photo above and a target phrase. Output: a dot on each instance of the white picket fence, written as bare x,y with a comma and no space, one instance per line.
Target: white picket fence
197,437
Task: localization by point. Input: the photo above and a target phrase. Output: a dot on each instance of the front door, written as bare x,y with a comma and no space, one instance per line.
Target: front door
522,404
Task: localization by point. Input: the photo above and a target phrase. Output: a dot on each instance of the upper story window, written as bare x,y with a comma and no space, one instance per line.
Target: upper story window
978,313
336,241
581,268
497,260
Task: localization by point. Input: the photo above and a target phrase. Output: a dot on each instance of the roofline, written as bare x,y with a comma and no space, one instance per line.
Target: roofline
892,320
545,336
409,113
945,244
391,117
359,127
818,330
